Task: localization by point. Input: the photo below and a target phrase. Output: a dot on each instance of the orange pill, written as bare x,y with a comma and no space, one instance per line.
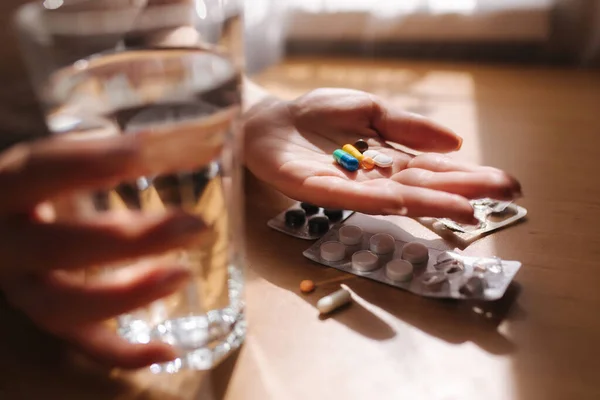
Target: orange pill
307,286
367,163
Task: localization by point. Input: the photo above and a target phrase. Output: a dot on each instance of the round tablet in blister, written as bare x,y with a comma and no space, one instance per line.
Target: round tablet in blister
364,261
415,253
382,243
350,235
333,251
399,270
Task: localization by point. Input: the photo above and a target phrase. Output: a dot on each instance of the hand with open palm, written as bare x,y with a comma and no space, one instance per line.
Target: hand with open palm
290,146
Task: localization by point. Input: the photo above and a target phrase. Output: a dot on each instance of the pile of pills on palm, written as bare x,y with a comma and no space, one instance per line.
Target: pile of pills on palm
352,157
412,266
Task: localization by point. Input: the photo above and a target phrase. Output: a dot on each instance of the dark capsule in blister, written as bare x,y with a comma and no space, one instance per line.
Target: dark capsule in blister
295,218
334,215
318,225
310,209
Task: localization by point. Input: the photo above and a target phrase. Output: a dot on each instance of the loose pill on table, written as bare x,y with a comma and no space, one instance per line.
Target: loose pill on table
310,209
399,270
415,253
367,163
346,160
295,218
334,215
380,159
353,151
307,286
318,225
361,145
364,261
382,243
333,251
333,301
350,235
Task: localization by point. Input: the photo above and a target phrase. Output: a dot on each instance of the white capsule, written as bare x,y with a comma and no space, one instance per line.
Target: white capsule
364,261
399,270
415,253
333,251
380,159
333,301
350,235
382,243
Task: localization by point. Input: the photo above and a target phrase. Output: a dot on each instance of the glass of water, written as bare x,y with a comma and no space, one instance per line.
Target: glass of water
170,73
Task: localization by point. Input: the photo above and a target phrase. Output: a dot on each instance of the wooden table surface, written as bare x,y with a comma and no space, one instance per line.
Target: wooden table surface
539,342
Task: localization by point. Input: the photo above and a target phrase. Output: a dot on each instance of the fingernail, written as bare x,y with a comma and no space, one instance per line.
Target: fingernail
460,143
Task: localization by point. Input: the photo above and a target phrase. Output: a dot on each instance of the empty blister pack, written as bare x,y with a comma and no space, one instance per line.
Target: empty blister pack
412,266
492,214
307,221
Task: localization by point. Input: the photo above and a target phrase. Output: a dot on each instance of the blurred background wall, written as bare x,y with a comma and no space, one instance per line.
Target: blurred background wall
565,32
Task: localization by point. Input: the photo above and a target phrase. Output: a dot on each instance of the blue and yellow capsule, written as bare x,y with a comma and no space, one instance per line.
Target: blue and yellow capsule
346,160
353,151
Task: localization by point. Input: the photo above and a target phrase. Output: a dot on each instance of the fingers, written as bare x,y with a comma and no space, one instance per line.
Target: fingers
472,185
106,347
423,202
412,130
34,246
382,196
59,301
32,173
443,163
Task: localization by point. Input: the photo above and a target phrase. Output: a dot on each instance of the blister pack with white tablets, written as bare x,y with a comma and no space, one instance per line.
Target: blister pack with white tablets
412,266
492,215
307,221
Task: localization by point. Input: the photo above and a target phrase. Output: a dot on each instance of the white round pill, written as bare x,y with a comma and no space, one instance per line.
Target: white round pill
383,161
350,235
371,154
382,243
415,253
399,270
333,251
364,261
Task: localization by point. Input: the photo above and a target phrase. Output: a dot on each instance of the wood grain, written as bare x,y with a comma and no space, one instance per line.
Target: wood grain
539,342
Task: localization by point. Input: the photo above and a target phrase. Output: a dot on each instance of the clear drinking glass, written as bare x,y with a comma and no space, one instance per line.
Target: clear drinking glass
168,71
